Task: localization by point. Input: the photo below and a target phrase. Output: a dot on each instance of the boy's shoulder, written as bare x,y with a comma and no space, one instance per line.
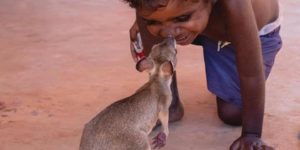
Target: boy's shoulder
265,12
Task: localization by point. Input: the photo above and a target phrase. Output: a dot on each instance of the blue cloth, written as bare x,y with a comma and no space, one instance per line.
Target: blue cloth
221,71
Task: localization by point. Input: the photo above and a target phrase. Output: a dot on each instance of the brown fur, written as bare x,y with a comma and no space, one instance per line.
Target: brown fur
125,124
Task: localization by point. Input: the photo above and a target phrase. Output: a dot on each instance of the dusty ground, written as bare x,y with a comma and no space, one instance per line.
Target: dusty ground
64,61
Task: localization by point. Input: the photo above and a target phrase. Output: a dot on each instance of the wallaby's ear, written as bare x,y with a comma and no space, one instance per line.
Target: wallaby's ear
167,68
144,64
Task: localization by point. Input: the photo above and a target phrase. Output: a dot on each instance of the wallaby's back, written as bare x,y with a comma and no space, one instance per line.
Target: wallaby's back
109,130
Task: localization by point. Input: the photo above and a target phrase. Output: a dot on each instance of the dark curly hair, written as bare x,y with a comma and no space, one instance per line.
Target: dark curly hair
150,4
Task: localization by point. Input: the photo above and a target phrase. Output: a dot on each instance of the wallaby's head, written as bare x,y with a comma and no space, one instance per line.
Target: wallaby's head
162,59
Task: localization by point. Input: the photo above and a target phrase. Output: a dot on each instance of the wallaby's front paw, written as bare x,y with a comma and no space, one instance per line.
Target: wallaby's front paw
160,140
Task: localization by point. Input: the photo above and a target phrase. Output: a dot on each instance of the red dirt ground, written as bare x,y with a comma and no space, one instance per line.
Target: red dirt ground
64,61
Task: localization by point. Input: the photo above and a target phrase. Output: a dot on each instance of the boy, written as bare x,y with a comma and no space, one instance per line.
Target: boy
240,39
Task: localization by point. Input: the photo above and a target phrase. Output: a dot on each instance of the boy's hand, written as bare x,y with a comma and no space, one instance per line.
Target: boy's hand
133,37
249,143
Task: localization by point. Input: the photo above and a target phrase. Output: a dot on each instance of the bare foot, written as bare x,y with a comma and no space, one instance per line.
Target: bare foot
176,112
160,140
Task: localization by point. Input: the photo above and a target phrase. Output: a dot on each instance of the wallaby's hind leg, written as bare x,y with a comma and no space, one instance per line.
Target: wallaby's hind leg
144,146
138,141
129,140
86,143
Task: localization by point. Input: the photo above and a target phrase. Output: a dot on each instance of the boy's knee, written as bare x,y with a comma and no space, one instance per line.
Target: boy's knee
230,119
229,113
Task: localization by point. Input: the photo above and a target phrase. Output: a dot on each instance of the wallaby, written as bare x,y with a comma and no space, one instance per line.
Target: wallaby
126,124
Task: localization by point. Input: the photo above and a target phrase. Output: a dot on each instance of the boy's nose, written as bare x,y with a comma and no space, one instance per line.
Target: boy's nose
169,31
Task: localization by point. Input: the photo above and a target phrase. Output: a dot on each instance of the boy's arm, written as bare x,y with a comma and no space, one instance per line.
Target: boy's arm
243,31
147,38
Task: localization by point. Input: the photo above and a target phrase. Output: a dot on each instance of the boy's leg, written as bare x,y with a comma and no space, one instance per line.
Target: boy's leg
222,80
222,75
176,110
229,113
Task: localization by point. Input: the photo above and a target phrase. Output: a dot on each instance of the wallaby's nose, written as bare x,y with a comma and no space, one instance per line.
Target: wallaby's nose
170,41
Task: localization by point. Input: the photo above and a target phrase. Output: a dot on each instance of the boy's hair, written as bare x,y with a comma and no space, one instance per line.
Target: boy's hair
151,4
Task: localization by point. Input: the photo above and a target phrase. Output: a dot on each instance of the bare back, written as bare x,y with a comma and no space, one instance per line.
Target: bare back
266,11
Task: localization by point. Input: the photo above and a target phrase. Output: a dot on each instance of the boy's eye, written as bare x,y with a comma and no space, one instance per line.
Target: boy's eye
151,22
183,18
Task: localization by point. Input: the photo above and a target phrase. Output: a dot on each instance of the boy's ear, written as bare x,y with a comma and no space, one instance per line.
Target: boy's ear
144,64
167,68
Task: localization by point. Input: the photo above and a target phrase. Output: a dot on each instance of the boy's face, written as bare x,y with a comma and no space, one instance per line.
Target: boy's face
182,19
